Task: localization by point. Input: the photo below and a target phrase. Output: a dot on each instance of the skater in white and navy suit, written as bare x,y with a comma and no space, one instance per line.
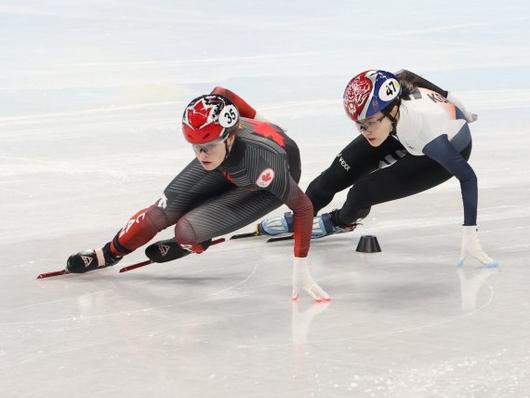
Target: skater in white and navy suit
413,137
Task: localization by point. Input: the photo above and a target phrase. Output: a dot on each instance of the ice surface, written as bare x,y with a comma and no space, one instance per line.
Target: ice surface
91,96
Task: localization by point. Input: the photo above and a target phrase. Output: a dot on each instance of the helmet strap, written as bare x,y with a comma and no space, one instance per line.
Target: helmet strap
227,147
393,119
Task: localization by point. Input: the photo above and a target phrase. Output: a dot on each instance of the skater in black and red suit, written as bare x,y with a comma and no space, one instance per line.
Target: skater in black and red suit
244,167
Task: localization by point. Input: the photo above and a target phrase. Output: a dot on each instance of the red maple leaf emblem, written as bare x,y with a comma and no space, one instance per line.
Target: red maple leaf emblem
198,115
267,131
266,177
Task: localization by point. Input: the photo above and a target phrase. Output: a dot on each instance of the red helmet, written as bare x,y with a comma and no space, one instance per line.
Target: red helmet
209,117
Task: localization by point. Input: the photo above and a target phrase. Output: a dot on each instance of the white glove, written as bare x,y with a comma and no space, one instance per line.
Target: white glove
302,280
471,247
470,117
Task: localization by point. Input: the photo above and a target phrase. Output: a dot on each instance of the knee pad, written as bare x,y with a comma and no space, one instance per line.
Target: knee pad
185,233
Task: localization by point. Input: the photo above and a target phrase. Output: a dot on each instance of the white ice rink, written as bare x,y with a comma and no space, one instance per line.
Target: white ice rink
91,94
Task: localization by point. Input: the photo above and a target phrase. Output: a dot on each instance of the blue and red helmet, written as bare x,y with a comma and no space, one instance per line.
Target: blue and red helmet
208,118
370,92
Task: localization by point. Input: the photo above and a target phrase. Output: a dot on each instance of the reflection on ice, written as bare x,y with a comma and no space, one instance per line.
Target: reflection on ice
91,96
301,320
471,283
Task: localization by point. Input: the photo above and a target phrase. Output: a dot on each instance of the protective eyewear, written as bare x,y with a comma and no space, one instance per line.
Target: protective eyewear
369,125
207,146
